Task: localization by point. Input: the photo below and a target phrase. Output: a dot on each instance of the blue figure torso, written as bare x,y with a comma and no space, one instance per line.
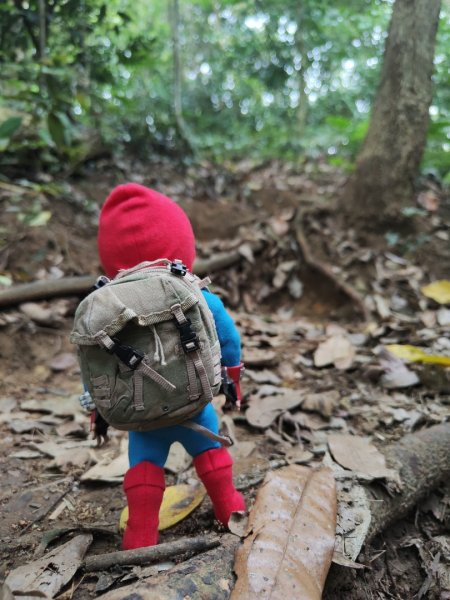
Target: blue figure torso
154,446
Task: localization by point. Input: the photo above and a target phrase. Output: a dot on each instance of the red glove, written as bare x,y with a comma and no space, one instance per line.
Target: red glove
234,373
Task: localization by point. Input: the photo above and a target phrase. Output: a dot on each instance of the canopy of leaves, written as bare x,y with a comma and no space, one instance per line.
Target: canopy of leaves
258,79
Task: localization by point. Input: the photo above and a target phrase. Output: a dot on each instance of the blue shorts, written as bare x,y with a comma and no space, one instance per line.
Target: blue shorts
154,446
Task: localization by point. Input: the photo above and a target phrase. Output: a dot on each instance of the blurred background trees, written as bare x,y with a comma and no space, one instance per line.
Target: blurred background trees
221,81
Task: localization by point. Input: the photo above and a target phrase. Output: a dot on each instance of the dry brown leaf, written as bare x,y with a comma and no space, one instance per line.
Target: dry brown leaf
279,226
78,457
282,273
263,411
63,361
298,455
112,471
7,405
295,287
353,514
53,449
336,350
246,250
358,454
178,460
264,376
71,428
258,357
40,314
323,403
59,406
50,573
292,524
429,200
396,375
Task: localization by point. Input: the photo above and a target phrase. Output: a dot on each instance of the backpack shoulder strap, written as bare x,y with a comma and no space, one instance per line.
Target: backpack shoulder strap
194,362
200,283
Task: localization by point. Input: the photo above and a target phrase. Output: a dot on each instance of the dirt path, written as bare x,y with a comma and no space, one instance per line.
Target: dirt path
285,311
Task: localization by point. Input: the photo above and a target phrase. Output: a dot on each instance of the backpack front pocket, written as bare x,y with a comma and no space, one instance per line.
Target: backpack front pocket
101,390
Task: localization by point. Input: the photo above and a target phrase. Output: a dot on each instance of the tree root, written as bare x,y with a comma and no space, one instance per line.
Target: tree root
325,270
79,286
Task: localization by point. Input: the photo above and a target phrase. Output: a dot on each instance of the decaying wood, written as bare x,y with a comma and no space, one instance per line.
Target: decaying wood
325,270
423,461
77,286
143,556
207,575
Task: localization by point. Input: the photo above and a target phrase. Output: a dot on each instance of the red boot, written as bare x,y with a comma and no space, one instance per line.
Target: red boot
144,486
214,467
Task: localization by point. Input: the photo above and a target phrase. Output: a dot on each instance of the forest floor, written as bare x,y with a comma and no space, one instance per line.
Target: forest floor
314,302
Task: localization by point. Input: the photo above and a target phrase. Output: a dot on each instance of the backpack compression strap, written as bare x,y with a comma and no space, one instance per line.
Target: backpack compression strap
194,362
195,366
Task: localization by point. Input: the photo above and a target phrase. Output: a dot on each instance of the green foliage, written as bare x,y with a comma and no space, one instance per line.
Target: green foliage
264,79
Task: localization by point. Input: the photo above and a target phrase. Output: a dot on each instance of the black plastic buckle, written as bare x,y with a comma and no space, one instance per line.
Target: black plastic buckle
101,281
178,268
189,338
127,354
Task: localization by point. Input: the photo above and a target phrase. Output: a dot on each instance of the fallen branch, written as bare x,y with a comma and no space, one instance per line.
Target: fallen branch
77,286
44,512
44,290
144,556
208,575
325,270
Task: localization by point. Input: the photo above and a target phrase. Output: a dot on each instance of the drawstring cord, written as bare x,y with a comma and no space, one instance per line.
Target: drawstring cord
159,349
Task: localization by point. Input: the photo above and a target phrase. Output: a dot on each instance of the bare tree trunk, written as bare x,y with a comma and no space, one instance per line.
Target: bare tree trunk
42,29
174,19
387,166
303,102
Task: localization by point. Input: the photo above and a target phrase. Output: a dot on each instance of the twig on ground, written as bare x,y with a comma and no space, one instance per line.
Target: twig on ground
142,556
42,514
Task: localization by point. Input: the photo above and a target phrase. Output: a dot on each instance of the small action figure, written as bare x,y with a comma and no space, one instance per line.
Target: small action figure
139,225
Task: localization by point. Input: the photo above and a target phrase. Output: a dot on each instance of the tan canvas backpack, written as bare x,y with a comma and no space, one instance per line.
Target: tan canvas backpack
148,348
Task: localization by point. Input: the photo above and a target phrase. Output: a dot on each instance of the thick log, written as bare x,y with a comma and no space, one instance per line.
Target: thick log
423,461
78,286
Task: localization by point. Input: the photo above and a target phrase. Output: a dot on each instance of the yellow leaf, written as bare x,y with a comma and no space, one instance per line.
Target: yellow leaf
178,503
439,291
414,354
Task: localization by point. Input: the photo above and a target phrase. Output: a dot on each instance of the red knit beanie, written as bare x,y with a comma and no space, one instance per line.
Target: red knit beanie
137,224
